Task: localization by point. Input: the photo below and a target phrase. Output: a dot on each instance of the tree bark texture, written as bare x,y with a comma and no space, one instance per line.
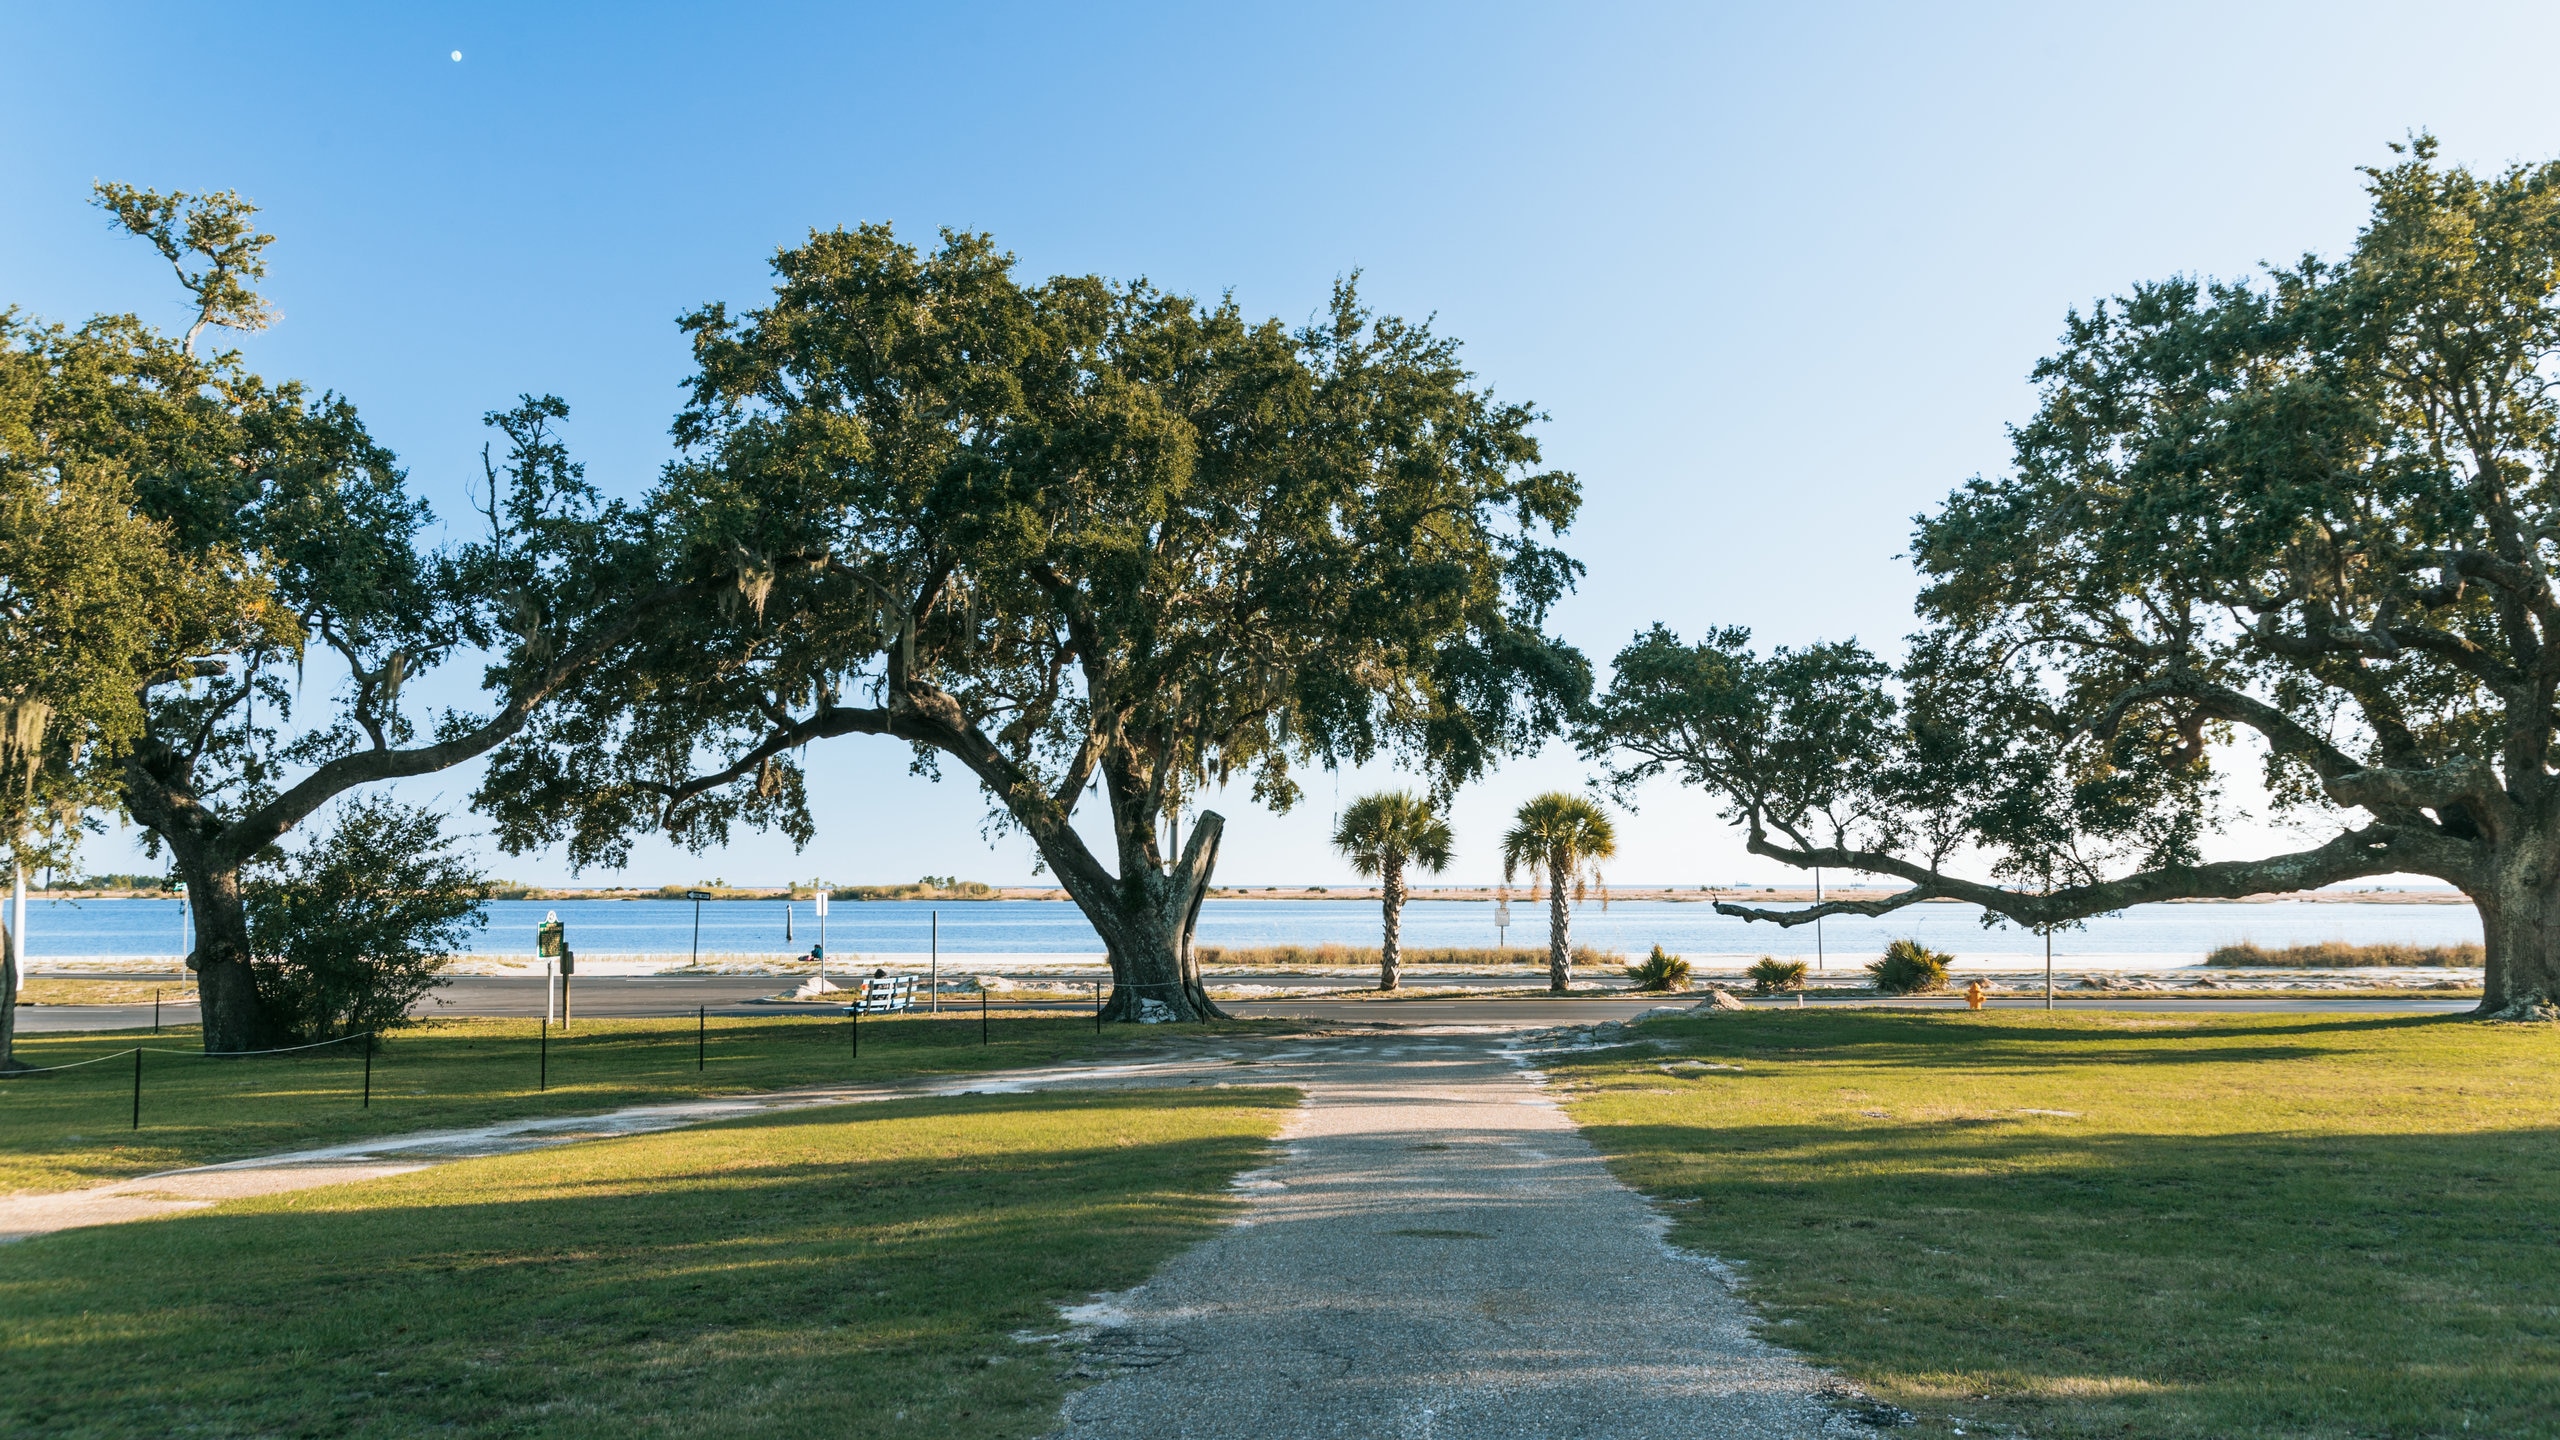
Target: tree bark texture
8,998
2520,935
1146,921
1559,938
1391,899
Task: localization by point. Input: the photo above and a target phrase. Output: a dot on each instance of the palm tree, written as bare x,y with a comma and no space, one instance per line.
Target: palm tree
1380,833
1564,838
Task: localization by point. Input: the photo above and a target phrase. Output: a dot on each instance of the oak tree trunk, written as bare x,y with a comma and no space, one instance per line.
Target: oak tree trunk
233,1011
1559,938
8,999
1146,919
2520,933
1391,896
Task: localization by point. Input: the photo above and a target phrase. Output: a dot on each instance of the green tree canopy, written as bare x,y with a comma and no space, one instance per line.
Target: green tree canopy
1072,536
293,544
2316,509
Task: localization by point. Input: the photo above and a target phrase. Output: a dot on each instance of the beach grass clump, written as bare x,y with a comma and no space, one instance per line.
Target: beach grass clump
1277,956
2339,955
1910,968
1770,975
1660,970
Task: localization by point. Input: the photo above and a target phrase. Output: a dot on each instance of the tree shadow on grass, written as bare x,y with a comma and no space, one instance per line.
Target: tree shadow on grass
2172,1285
2002,1044
814,1273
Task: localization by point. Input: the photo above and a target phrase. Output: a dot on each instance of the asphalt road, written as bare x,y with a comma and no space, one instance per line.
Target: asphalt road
628,996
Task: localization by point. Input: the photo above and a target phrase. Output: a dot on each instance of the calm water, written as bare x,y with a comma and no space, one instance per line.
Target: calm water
65,928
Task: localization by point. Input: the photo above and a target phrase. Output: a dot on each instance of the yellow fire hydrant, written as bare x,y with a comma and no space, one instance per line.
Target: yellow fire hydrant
1973,994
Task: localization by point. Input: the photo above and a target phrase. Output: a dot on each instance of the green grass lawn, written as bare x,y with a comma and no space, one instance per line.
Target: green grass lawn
69,1129
2123,1225
852,1271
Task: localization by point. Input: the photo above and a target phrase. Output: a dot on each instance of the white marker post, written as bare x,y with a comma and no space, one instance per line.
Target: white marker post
17,929
1817,923
934,963
822,935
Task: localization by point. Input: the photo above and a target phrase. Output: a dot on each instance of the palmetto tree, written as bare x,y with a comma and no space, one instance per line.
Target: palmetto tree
1562,838
1381,833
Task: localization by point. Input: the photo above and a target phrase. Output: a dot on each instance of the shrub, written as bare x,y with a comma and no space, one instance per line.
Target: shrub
2337,954
346,933
1772,975
1910,968
1660,971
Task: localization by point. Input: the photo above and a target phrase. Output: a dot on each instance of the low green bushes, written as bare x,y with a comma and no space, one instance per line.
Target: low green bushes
1772,975
2339,955
1660,970
1910,968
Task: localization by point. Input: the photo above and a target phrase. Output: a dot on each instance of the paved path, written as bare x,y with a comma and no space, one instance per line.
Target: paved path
1439,1256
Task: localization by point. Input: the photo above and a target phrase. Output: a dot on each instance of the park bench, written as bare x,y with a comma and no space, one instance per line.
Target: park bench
884,995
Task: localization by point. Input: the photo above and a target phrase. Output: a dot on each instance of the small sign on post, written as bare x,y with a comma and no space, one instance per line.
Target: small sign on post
551,942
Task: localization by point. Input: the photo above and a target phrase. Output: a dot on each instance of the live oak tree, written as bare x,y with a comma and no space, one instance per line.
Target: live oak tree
86,582
1074,537
2316,509
1561,838
1381,834
282,502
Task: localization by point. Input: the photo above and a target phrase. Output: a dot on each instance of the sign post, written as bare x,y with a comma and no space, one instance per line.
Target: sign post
697,897
933,965
822,932
1502,919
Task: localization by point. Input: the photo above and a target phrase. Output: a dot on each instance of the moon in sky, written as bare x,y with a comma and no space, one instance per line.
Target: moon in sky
457,54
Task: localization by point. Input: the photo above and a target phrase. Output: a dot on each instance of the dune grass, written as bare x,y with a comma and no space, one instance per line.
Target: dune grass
67,1129
854,1271
2338,954
2094,1224
72,990
1278,956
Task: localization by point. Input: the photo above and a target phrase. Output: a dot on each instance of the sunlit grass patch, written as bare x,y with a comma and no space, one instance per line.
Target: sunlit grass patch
60,1131
845,1272
2110,1224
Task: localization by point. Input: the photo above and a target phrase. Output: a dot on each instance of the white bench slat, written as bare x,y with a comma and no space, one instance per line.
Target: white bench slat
884,995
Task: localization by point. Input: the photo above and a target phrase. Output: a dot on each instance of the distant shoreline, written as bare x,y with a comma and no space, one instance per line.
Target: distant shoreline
1477,894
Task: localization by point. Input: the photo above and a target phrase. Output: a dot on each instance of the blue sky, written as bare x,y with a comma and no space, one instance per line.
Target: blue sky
1776,274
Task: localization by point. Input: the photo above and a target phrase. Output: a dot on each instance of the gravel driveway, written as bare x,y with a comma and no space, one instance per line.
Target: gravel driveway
1439,1254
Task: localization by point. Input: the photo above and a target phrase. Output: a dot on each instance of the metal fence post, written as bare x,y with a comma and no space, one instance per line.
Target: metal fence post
368,1070
699,1023
544,1080
857,1029
137,1087
982,1016
1097,1007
